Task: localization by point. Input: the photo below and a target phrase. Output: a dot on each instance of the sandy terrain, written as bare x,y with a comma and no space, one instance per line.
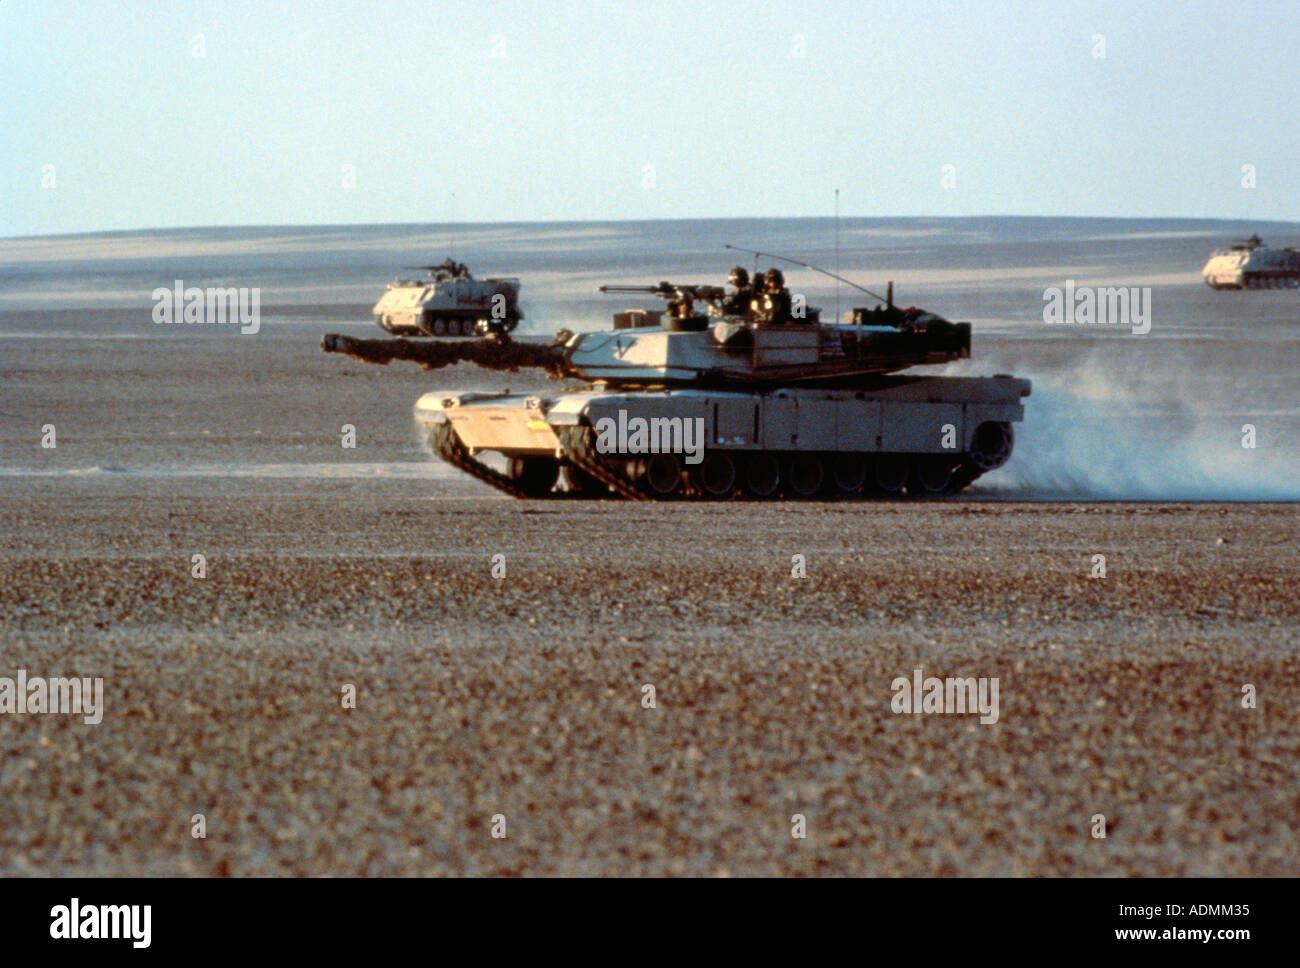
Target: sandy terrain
522,696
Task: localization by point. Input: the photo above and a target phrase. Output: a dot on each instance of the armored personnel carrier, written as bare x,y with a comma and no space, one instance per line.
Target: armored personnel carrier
450,302
719,406
1250,264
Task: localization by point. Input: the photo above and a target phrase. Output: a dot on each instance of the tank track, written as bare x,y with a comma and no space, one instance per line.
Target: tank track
465,326
580,451
1280,280
579,445
963,475
448,446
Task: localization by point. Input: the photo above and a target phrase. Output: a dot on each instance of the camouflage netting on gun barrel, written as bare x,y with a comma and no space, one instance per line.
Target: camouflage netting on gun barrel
492,353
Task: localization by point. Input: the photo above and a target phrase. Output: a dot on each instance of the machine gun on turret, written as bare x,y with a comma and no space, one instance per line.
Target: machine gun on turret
674,290
681,302
447,269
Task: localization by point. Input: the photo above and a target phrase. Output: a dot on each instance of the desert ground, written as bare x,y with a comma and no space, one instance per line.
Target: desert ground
522,696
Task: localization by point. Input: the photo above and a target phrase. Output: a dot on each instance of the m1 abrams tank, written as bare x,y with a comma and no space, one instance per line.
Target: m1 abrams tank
451,302
720,406
1250,264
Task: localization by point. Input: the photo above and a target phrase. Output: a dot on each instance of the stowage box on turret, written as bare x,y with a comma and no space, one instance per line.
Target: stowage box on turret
723,405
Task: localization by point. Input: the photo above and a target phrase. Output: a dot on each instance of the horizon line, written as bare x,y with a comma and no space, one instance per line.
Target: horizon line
635,221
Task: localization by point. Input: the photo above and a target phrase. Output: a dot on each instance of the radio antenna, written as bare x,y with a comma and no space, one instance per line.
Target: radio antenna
805,265
837,256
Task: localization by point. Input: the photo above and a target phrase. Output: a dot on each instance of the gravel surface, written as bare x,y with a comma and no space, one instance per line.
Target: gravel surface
523,696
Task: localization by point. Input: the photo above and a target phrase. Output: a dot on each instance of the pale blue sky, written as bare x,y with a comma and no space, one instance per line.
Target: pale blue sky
553,111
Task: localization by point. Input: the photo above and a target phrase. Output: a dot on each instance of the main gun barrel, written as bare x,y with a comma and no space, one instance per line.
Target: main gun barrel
492,353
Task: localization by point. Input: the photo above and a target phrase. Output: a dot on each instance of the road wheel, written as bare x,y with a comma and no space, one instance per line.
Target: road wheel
761,475
663,475
888,474
804,476
931,476
716,476
848,473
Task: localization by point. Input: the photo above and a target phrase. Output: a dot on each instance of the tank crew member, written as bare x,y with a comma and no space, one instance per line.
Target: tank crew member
773,306
737,304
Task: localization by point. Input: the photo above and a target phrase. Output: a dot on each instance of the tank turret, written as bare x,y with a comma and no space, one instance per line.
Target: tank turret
682,348
1250,264
761,403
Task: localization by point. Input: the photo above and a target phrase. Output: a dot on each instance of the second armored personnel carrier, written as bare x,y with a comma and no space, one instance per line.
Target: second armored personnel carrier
450,302
718,407
1250,264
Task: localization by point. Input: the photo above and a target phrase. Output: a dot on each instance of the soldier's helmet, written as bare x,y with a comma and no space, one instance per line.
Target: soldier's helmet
739,277
774,279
